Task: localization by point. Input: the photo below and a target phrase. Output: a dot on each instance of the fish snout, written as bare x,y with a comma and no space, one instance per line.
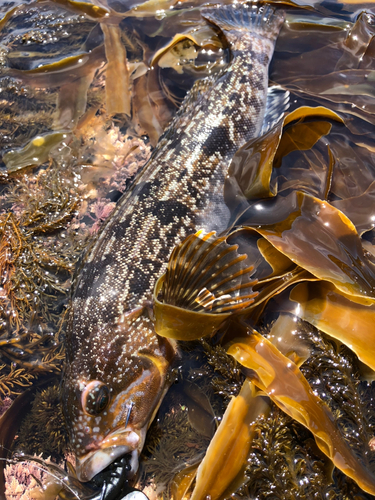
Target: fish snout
112,447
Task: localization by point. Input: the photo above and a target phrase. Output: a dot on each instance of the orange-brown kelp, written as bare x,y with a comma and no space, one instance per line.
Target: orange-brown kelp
342,308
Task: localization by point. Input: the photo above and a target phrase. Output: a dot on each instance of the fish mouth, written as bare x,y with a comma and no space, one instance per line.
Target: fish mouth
114,446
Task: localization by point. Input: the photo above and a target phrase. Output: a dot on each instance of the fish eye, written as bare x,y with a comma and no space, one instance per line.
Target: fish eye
95,398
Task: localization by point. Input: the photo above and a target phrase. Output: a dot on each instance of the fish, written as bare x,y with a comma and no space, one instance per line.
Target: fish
118,368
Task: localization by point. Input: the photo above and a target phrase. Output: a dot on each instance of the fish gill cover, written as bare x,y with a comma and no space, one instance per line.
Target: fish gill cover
277,400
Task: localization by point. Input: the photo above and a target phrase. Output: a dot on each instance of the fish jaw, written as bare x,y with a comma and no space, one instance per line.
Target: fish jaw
115,445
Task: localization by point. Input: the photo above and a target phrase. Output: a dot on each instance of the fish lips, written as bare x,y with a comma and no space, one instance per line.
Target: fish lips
115,445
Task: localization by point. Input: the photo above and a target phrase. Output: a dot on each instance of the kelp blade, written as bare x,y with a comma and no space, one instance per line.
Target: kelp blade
182,481
317,237
250,172
226,455
89,9
351,322
284,383
36,152
117,84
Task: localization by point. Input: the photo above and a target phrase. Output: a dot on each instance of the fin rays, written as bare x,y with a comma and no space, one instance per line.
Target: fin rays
246,17
205,274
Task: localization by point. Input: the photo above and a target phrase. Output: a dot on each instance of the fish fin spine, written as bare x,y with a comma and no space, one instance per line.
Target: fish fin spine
253,17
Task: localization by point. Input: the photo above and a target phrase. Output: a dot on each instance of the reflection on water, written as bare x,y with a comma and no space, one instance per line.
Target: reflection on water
86,90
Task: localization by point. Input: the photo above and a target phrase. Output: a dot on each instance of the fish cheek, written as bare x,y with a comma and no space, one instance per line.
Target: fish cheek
143,396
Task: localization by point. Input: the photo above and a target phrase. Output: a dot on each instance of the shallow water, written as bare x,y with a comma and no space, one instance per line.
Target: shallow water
69,149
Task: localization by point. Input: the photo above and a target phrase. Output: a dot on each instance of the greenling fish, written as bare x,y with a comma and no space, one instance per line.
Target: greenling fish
117,369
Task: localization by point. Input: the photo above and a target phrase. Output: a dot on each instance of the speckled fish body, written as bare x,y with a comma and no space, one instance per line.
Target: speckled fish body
117,367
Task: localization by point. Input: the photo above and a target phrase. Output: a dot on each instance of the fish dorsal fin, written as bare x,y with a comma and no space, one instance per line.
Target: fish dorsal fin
199,88
187,109
277,104
206,281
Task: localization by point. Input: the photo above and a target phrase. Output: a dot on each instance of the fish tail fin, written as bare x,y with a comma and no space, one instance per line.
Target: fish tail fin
248,17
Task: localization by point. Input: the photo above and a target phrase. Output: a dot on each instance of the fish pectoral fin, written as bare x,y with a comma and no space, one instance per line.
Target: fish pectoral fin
206,281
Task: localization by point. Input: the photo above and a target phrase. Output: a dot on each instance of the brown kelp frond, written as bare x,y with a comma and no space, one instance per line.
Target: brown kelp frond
332,371
43,429
118,91
221,471
344,317
249,181
275,374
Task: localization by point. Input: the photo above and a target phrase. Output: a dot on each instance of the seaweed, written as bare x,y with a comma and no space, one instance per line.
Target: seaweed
36,264
46,225
333,370
176,446
14,380
182,429
24,113
43,431
48,32
228,378
284,461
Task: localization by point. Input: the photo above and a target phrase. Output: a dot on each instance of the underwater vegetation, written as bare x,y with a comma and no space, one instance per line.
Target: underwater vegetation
86,91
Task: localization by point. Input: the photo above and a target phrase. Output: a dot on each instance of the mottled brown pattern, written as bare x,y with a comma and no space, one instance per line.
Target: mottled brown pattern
179,192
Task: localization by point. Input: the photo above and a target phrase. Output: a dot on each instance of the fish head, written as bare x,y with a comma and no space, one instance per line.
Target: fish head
113,384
